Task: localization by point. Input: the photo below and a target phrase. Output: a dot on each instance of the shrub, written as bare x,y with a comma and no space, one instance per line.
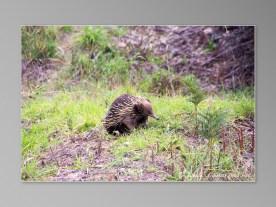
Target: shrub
95,57
116,68
104,67
82,65
193,89
163,82
38,42
93,39
196,95
210,123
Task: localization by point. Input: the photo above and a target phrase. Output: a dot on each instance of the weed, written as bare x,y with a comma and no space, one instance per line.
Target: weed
80,164
66,29
163,82
82,65
38,42
118,31
93,38
115,70
211,46
31,171
95,57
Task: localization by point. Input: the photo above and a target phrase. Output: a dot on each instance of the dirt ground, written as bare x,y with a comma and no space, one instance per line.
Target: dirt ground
92,149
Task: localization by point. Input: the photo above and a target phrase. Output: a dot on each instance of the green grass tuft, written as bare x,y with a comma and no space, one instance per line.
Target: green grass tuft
66,29
93,38
38,42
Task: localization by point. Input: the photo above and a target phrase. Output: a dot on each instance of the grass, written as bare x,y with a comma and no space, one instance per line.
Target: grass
93,38
32,171
81,65
118,31
78,99
66,29
48,119
80,164
96,58
163,82
38,42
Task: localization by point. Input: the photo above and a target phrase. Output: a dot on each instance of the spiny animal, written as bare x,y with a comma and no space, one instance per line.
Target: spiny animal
126,113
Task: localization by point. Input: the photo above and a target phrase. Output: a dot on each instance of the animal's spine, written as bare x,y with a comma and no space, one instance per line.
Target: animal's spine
121,107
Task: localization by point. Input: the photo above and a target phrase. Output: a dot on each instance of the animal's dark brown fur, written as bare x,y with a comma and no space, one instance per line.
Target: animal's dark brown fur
126,113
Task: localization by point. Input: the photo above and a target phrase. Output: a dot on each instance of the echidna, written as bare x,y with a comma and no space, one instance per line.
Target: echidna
126,113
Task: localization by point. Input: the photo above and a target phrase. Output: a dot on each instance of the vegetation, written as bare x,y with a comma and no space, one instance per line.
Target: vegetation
62,133
211,123
96,58
66,29
196,95
211,46
74,112
38,42
163,82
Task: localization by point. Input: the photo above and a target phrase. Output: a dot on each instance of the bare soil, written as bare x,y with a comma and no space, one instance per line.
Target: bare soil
101,164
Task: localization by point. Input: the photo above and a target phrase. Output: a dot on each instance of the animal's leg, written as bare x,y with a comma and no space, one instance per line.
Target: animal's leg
129,123
142,121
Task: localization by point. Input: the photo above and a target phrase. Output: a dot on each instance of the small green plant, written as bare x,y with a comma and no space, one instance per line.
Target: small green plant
155,60
66,29
81,65
119,31
245,108
31,171
196,95
211,46
80,164
226,162
38,42
94,39
211,122
194,90
116,69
